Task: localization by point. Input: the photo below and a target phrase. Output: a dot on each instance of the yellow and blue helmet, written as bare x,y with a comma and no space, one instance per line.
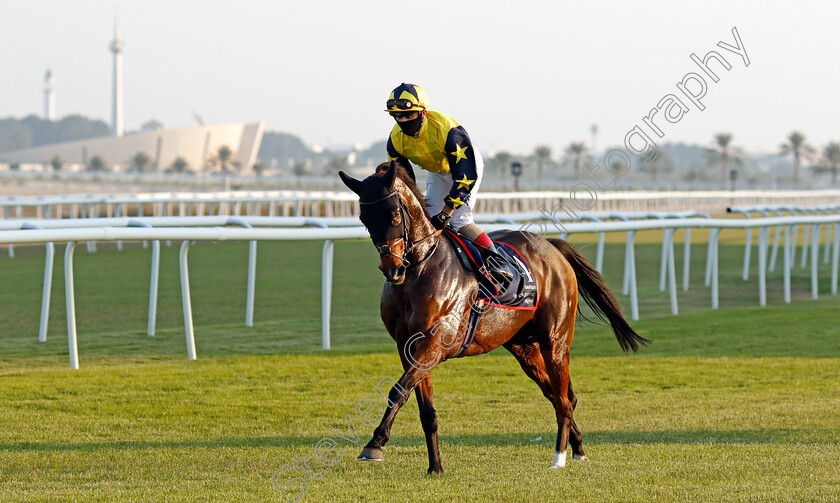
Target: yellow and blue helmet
406,98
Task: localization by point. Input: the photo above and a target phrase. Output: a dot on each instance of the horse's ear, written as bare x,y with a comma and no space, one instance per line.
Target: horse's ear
390,175
350,182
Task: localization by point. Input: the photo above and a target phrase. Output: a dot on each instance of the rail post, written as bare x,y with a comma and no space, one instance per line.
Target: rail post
185,299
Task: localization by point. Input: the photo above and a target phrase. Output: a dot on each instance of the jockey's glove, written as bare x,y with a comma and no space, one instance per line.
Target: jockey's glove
439,221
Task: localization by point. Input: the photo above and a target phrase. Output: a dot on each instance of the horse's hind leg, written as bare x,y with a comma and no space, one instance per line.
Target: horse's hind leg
531,361
527,352
557,367
575,436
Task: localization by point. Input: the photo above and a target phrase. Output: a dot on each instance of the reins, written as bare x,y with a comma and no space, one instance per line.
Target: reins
428,254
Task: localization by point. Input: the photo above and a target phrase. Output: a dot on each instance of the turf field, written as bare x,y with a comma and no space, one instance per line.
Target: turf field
739,404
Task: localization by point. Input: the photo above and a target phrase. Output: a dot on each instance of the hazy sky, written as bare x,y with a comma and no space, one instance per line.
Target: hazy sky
515,74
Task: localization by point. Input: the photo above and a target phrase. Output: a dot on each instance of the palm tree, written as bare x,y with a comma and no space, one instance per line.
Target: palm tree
336,163
299,168
724,153
96,163
223,159
179,165
830,160
139,161
657,163
543,155
502,159
577,154
797,146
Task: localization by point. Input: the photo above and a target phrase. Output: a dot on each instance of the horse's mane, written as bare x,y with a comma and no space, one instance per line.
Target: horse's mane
409,182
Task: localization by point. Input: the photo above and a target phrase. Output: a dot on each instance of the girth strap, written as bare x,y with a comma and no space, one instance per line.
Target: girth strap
472,327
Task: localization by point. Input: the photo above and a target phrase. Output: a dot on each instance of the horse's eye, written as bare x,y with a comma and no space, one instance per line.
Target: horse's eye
396,217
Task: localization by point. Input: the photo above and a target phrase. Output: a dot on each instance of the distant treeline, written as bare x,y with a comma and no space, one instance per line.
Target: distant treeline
283,146
282,149
287,150
33,131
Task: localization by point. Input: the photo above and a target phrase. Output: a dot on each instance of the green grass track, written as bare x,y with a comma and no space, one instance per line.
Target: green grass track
738,404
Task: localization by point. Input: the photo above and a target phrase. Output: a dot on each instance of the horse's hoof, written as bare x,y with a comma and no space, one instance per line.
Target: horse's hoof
370,454
576,457
559,460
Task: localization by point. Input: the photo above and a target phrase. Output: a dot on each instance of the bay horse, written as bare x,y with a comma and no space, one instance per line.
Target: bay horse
425,283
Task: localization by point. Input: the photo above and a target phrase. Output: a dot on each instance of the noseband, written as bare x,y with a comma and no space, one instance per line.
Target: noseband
385,250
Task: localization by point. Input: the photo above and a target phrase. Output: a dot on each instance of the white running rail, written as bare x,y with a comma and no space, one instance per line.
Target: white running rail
188,234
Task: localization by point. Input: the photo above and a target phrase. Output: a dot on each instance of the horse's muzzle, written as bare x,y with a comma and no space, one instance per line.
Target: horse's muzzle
395,275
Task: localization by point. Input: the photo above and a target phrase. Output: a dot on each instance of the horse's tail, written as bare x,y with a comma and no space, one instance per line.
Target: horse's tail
599,297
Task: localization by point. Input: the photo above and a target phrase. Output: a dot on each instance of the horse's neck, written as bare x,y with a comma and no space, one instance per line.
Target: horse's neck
441,264
420,225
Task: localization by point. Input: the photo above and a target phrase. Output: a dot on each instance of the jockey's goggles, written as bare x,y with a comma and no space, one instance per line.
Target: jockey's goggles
401,104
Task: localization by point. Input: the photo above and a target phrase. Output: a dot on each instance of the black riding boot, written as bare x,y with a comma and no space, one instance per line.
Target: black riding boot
497,267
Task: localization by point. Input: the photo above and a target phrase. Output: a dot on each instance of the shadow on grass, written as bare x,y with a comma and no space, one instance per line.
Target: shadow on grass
684,437
774,436
175,444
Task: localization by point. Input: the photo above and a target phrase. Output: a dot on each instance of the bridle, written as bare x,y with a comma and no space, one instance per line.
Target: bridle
385,250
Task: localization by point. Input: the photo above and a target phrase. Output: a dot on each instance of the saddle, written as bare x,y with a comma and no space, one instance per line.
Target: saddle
520,292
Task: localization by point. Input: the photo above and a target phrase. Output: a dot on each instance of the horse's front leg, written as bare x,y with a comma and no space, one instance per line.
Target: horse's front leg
428,417
421,364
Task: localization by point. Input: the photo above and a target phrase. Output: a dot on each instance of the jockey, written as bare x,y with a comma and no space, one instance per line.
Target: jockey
437,143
